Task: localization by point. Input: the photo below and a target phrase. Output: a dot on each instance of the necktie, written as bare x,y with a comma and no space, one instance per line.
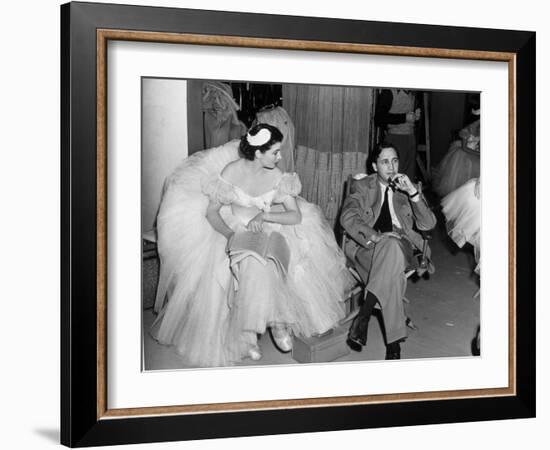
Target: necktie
383,223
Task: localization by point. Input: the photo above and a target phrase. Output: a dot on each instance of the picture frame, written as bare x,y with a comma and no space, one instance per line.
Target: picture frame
86,418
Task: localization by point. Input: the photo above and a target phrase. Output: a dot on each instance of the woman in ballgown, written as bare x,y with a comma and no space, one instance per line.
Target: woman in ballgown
210,318
461,163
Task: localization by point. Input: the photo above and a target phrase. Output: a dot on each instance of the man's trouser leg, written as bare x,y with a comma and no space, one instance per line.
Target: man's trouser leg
384,269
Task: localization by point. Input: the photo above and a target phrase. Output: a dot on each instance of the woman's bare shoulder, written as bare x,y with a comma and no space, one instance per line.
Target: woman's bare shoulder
232,171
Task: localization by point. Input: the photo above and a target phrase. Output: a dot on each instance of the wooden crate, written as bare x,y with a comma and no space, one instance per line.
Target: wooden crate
324,348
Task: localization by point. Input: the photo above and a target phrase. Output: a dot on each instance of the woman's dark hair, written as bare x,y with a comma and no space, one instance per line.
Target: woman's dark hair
248,150
373,157
473,99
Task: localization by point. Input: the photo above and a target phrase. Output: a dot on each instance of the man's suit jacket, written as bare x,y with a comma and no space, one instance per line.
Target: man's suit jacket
362,208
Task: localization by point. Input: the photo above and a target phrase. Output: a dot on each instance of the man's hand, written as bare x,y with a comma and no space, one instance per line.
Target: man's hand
404,184
377,237
413,116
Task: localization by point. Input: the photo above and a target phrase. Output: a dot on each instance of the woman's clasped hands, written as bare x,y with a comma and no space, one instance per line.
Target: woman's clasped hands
256,224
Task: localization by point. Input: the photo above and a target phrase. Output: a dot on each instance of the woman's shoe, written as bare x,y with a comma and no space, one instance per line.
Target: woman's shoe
282,338
254,353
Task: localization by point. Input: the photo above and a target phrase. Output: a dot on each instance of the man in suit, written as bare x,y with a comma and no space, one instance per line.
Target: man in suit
379,215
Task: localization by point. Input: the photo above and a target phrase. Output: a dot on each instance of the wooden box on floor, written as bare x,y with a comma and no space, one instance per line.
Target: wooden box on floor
327,347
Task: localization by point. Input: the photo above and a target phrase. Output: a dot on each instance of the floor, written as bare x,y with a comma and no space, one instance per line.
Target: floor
443,308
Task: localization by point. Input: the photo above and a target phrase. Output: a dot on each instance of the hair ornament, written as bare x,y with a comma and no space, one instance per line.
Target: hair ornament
260,138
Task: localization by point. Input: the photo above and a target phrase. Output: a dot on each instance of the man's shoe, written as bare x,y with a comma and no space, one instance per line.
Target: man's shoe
354,345
393,351
358,331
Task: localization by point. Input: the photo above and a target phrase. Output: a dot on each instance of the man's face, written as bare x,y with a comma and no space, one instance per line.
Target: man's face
387,164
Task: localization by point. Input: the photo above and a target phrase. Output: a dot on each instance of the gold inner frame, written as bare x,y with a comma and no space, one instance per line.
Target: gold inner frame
103,36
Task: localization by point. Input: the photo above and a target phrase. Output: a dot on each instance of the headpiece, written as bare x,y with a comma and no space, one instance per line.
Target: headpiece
260,138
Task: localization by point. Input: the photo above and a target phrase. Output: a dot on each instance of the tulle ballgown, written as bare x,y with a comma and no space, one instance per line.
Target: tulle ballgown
462,210
461,163
202,313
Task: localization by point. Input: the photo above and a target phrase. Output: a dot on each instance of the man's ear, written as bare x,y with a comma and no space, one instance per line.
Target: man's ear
374,167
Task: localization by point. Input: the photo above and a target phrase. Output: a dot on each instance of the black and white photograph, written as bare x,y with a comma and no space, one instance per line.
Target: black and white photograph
261,225
289,224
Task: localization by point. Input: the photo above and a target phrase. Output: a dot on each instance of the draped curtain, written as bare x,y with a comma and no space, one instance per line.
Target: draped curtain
333,132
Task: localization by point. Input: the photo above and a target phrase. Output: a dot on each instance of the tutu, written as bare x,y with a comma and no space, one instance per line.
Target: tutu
457,167
461,163
200,311
462,210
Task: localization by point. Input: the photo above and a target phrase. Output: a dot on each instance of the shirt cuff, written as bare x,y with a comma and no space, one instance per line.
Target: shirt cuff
415,197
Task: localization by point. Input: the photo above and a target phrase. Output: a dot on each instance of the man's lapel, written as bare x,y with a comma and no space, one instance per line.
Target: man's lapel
374,196
399,202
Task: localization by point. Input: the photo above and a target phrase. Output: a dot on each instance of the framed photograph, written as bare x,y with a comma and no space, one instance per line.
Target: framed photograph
275,224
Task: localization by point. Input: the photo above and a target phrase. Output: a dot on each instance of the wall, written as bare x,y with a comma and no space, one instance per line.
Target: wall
164,139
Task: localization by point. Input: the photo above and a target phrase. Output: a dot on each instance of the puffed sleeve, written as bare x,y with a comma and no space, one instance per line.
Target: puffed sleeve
289,185
218,190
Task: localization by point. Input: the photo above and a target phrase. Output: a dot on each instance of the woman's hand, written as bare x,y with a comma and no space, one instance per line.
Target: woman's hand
256,224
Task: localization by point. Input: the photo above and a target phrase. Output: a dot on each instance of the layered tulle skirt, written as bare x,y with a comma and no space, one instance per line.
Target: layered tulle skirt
208,318
462,211
457,167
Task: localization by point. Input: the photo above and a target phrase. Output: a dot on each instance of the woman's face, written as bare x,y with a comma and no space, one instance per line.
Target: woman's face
271,157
